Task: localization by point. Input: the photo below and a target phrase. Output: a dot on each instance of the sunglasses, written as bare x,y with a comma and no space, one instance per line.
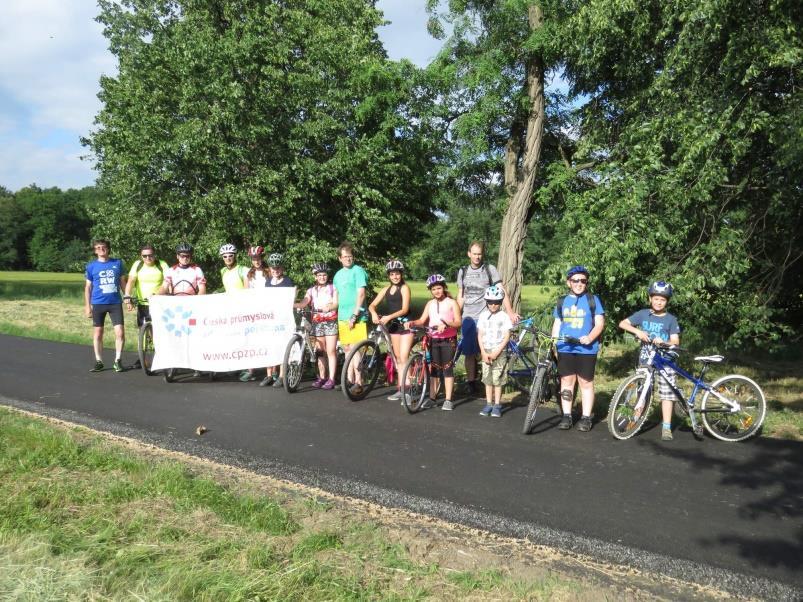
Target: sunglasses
579,280
494,302
184,256
147,256
228,256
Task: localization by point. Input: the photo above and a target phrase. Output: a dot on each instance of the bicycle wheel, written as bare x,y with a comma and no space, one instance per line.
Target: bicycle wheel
538,395
368,360
625,418
716,408
415,382
169,375
295,356
520,372
145,347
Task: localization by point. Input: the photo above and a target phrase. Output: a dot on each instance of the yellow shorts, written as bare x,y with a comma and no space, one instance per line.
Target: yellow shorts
349,336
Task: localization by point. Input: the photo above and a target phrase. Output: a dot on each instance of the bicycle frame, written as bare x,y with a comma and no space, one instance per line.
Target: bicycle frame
658,362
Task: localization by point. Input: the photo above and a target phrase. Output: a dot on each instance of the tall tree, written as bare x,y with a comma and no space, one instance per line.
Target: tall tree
493,69
695,110
254,121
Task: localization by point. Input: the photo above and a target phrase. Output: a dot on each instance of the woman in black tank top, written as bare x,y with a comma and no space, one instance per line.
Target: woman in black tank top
396,297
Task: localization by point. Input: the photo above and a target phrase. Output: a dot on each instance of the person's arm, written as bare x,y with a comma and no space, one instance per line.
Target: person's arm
458,315
375,303
674,339
355,314
129,286
485,357
501,347
599,326
87,296
556,328
424,317
627,326
201,283
514,317
303,303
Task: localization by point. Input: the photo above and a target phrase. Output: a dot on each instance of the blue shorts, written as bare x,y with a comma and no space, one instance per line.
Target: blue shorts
470,345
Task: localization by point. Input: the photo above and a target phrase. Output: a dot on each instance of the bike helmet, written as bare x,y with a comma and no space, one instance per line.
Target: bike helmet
578,269
436,279
228,249
317,268
275,260
494,293
662,288
394,265
184,247
256,251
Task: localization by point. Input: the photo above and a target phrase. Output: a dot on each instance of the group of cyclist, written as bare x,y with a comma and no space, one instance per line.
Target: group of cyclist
481,312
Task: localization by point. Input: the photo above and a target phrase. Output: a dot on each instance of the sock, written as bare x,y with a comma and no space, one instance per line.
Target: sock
666,425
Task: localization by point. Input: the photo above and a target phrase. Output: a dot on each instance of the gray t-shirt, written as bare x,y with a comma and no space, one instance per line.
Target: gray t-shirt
474,284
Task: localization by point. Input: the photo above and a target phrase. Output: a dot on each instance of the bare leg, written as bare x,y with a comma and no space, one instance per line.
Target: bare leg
567,384
97,342
586,395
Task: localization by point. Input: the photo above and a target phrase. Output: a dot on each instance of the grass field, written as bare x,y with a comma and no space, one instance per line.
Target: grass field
84,519
50,306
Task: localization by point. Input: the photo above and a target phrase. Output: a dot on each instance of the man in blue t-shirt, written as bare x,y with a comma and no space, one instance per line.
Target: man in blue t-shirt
579,315
105,278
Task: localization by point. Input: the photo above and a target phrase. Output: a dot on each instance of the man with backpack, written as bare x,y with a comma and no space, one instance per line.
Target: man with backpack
472,282
144,279
578,315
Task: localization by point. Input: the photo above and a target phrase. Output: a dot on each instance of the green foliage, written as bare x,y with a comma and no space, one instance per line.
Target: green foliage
247,121
694,109
14,228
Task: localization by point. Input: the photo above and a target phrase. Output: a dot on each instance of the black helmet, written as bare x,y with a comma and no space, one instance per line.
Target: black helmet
184,247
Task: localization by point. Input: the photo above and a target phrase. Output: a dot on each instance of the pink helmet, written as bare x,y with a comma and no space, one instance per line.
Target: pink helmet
256,251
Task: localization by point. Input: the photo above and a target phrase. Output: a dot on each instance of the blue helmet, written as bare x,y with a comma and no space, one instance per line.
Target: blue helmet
436,279
659,287
578,269
494,294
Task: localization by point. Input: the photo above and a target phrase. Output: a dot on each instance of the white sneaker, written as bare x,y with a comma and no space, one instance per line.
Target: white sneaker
447,405
396,396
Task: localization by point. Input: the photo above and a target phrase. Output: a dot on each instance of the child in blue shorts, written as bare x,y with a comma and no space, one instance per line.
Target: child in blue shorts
655,324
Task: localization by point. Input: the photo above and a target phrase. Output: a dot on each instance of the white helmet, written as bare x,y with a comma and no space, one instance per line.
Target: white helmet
227,249
494,293
394,265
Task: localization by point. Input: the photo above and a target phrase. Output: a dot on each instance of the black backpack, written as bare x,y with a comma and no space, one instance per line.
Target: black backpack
463,275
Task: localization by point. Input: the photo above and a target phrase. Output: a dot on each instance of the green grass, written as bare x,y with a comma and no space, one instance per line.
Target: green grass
81,518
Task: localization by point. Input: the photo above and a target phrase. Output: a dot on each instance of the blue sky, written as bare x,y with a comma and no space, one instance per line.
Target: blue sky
52,54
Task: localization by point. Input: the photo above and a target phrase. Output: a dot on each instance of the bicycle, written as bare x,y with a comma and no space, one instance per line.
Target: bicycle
145,348
373,353
414,377
732,408
301,353
546,382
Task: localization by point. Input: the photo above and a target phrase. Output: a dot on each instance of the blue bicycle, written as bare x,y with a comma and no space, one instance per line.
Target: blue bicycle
732,408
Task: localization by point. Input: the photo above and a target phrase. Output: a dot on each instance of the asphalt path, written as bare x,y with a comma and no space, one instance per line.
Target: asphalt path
726,515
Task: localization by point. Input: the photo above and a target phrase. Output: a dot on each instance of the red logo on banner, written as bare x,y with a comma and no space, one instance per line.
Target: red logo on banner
192,321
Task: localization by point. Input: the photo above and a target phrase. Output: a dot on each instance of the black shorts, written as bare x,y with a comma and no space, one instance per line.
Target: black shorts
581,364
115,311
143,313
441,362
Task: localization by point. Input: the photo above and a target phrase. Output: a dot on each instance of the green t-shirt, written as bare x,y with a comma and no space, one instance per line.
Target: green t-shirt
234,278
149,279
348,281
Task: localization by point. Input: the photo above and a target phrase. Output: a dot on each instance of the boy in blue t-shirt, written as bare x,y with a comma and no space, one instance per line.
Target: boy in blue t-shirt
580,315
105,278
658,326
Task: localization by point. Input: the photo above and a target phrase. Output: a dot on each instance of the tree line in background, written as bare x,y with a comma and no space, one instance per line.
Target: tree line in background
669,145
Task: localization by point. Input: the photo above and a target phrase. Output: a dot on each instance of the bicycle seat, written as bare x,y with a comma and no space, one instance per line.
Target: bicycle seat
710,359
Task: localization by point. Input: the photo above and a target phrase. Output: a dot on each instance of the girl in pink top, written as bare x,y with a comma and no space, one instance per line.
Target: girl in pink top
442,314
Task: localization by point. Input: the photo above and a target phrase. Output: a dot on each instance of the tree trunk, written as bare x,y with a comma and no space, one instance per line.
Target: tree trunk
521,166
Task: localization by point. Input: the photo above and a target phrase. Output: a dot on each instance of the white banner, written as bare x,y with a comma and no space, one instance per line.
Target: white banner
223,332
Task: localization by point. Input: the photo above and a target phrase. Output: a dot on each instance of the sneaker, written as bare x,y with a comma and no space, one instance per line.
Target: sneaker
486,411
328,384
447,405
473,389
279,382
565,422
98,367
264,382
356,389
318,383
496,412
118,366
666,434
396,396
428,403
584,425
137,365
246,376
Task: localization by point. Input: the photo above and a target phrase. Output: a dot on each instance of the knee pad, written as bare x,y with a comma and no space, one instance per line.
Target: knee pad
567,395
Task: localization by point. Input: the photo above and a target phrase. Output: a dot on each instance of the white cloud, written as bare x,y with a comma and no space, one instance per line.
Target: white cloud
26,162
